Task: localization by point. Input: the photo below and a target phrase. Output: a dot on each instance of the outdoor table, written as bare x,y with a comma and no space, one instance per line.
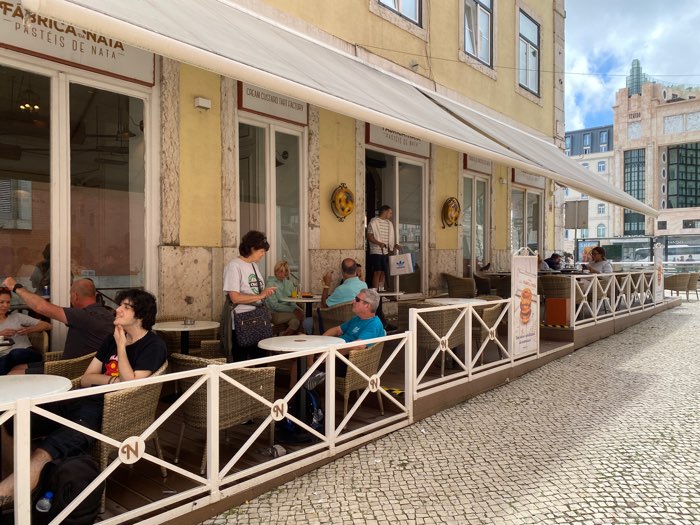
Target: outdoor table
308,300
184,329
293,343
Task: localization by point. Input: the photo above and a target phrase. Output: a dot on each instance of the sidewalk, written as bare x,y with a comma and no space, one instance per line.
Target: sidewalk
609,434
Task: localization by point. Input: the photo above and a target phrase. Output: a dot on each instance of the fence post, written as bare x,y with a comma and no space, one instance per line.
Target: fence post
410,364
22,446
213,372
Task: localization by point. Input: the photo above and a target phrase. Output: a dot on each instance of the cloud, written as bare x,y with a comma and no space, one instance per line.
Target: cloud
602,39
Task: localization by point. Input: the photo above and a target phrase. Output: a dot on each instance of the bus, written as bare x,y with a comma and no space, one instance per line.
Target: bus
674,253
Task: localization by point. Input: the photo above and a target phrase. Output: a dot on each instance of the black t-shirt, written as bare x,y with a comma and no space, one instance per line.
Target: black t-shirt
87,329
148,353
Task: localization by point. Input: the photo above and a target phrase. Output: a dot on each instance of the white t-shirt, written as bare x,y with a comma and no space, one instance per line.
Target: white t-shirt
15,321
603,266
240,276
383,230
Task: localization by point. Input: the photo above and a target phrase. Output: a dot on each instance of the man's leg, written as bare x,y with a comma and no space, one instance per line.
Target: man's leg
39,458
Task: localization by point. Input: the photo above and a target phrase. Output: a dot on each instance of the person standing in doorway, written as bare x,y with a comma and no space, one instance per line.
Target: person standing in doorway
382,239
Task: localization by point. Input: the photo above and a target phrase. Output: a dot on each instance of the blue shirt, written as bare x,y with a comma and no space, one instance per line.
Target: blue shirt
357,328
346,292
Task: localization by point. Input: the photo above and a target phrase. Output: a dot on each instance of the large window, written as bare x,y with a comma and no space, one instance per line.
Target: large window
601,209
272,176
600,230
529,54
684,176
475,216
410,9
525,219
634,185
478,28
601,166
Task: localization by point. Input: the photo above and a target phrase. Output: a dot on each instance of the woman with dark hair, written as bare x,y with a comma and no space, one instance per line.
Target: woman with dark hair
599,263
134,352
245,287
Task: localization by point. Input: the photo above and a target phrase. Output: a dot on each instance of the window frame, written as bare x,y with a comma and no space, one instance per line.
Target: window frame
601,230
480,7
474,178
602,165
529,45
399,12
601,208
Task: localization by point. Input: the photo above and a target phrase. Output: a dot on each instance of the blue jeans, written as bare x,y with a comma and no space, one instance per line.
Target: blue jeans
18,356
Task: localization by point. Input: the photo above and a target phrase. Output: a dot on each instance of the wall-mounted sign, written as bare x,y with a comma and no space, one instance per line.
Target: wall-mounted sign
477,164
264,102
528,179
396,141
50,39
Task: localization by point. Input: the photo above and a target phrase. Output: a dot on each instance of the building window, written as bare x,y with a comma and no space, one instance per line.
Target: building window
584,165
692,223
407,8
601,166
586,150
529,53
634,185
684,176
568,142
525,219
600,230
661,225
584,196
478,28
475,215
584,233
603,148
601,209
566,192
587,139
603,137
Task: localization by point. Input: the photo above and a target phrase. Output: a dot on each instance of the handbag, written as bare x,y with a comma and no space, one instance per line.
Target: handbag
400,264
252,326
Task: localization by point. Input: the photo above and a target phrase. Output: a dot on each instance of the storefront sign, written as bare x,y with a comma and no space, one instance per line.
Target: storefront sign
528,179
525,313
271,104
53,40
477,164
396,141
658,273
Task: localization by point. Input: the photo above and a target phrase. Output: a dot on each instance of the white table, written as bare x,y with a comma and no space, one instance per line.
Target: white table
300,300
184,329
456,300
17,387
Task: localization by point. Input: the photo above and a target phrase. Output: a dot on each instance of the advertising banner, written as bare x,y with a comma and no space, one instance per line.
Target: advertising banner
658,273
525,314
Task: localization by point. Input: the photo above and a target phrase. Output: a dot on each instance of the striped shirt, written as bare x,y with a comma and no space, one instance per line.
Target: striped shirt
384,227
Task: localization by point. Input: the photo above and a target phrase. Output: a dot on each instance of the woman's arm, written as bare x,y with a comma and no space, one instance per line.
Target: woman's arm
243,298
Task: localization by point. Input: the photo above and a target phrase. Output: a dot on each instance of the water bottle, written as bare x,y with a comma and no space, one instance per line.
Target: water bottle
44,504
47,292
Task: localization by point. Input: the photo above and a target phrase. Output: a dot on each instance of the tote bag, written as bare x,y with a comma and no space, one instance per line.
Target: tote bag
401,264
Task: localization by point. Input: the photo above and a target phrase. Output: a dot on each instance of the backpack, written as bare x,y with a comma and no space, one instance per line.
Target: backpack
67,478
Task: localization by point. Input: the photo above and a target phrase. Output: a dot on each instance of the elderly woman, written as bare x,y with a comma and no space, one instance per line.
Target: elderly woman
245,289
133,352
15,346
599,263
282,311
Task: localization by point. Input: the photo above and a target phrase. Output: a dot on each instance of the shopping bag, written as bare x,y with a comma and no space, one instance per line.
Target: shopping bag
401,264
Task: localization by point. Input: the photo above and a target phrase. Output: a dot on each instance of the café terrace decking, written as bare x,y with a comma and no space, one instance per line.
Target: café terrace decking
433,365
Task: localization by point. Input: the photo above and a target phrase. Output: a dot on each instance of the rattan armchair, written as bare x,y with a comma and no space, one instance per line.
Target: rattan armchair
235,405
678,283
128,413
325,318
480,333
70,368
692,284
460,286
367,360
39,341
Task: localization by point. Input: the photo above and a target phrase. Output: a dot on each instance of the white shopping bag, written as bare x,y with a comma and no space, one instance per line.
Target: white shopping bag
401,264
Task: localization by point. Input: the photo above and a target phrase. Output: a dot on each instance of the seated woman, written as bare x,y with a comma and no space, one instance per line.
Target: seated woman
133,352
16,326
282,311
599,264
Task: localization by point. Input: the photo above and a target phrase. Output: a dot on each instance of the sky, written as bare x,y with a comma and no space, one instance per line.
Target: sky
604,36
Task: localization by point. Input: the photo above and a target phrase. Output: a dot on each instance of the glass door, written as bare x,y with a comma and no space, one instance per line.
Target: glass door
526,218
475,215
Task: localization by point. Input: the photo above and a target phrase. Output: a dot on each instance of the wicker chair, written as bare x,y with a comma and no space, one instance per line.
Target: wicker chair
460,286
367,360
128,413
325,318
480,334
483,284
678,283
70,368
235,406
439,321
39,341
692,285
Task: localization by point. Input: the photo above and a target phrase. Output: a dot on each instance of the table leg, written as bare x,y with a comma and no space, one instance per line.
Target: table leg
185,342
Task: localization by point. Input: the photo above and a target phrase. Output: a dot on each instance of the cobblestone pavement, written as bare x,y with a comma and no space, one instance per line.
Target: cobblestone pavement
609,434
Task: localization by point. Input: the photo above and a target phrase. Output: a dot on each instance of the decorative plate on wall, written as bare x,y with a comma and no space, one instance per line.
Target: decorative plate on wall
451,210
342,202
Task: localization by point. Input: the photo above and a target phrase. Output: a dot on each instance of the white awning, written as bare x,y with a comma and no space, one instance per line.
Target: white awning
224,38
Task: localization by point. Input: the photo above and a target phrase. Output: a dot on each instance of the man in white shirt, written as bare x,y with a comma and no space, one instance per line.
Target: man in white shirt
382,240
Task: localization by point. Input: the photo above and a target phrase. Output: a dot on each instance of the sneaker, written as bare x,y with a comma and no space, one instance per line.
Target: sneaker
316,379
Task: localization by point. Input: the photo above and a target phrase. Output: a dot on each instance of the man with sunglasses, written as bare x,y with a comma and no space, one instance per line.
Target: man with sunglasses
364,325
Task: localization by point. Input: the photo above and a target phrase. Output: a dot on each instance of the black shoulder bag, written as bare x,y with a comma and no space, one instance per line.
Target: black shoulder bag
253,326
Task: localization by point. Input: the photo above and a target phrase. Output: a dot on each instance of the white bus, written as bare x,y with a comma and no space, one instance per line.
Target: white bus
676,253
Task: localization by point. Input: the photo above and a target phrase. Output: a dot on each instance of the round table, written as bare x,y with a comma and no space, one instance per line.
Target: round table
17,387
456,300
300,299
184,329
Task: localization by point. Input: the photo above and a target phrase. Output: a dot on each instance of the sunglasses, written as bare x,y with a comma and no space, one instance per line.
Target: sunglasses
358,300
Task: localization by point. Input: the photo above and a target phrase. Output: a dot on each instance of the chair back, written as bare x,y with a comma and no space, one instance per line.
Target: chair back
460,286
489,316
325,318
367,360
692,281
70,368
235,405
556,287
439,321
39,341
677,282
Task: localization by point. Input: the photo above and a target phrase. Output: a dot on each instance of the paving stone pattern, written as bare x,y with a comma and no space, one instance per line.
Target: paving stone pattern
607,435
